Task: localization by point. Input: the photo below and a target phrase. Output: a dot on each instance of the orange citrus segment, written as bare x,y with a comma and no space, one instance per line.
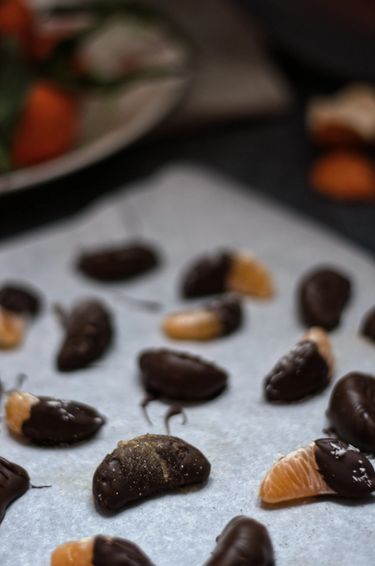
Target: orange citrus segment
17,410
192,325
250,277
323,343
294,476
75,553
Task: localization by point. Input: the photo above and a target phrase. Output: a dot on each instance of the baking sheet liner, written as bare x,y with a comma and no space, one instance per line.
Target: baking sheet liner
187,210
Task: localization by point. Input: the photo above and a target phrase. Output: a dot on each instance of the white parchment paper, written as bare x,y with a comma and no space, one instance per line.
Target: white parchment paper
187,211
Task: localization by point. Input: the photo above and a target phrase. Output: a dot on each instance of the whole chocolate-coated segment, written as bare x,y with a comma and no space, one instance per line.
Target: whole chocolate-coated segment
119,263
147,465
110,551
89,332
207,276
229,311
368,325
243,542
348,472
20,299
351,410
322,296
302,372
180,376
14,482
54,421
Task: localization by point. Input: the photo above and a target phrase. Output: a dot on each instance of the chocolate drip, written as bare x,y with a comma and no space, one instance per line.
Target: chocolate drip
172,412
243,542
88,335
229,311
14,482
119,263
53,422
302,372
206,276
145,466
368,325
110,551
348,472
20,299
323,295
180,376
351,410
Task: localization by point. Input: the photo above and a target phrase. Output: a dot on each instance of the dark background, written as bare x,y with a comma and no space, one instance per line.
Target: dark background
271,155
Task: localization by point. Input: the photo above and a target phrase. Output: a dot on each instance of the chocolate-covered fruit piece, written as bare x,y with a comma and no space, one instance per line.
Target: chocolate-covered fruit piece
243,542
88,334
14,482
351,410
305,370
180,376
219,317
20,299
327,466
119,263
99,551
227,270
322,297
147,465
368,325
49,421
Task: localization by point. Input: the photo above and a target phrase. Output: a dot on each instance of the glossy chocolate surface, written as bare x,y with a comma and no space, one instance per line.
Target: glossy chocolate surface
230,313
243,542
88,335
119,263
54,421
348,472
351,410
147,465
322,296
302,372
110,551
206,276
180,376
368,325
20,299
14,482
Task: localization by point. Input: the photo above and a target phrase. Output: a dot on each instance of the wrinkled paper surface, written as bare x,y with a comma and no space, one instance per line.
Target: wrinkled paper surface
187,211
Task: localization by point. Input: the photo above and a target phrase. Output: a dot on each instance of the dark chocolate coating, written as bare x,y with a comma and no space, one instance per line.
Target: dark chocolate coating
110,551
20,299
229,310
53,422
368,325
206,276
302,372
243,542
88,335
14,482
322,297
348,472
180,376
351,410
119,263
147,465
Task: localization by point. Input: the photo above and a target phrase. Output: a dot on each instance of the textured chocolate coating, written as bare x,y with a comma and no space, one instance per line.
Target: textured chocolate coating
14,482
348,472
20,299
302,372
53,422
110,551
322,297
206,276
229,310
88,335
243,542
147,465
368,325
351,410
119,263
180,376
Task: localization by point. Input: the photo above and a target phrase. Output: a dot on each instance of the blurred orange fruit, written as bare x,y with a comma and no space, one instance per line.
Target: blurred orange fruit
16,20
48,125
